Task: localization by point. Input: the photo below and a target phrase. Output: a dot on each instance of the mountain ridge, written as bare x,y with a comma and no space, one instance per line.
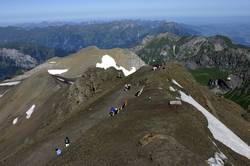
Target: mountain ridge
80,112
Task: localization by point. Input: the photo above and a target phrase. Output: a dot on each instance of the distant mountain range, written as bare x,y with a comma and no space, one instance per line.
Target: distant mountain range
72,37
184,43
46,40
239,33
83,31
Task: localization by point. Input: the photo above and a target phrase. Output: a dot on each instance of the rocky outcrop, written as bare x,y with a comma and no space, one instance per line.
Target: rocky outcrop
12,61
12,57
91,83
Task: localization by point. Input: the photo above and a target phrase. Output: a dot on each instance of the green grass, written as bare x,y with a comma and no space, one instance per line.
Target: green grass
236,95
203,75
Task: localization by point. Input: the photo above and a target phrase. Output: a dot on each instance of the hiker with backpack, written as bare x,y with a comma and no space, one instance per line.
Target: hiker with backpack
58,151
113,111
67,142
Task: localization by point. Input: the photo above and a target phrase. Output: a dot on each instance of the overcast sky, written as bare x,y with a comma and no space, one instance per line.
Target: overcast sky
16,11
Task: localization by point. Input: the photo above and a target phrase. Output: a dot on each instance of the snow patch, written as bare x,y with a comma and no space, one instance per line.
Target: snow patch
174,48
10,83
177,98
15,121
30,111
1,95
52,62
108,61
60,79
176,83
57,71
217,160
172,89
219,130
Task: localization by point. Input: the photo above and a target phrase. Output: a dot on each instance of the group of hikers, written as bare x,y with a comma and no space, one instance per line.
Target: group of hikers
58,150
157,66
115,110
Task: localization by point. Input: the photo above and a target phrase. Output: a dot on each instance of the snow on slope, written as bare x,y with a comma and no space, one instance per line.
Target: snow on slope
57,71
1,95
30,111
10,83
176,83
108,61
15,121
217,160
60,79
219,130
172,89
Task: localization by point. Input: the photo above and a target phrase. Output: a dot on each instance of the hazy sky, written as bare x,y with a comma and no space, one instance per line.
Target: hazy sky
12,11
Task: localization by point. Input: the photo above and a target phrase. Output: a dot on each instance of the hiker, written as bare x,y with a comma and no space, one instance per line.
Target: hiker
127,87
125,103
58,151
113,111
67,142
138,93
118,110
156,67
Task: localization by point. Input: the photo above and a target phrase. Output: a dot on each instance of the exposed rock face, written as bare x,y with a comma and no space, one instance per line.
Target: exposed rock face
235,81
13,57
218,83
218,86
91,83
12,61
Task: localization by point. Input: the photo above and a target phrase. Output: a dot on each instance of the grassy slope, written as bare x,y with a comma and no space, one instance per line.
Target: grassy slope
204,74
240,98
